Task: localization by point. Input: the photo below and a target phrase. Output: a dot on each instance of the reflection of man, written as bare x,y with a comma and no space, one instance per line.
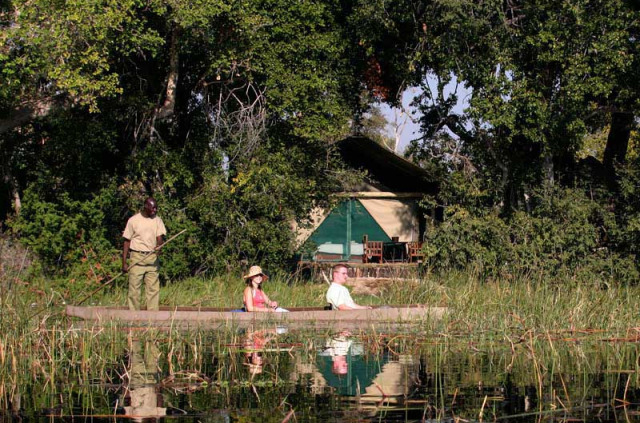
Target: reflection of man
338,294
338,348
143,237
342,366
143,396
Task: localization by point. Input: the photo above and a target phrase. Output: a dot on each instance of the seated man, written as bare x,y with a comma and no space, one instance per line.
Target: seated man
338,295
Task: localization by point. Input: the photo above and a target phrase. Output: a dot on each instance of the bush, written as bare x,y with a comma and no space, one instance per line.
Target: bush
464,240
67,232
566,233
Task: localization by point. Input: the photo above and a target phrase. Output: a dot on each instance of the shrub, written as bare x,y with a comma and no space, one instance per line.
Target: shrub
565,233
65,233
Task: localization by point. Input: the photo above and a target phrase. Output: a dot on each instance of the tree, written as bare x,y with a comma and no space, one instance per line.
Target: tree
542,75
232,105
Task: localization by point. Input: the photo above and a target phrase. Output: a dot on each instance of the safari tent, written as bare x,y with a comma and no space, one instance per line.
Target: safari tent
384,208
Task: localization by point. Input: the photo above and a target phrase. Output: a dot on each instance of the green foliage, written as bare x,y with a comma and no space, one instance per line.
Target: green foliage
69,46
249,218
374,126
265,87
69,232
541,75
567,233
464,240
627,209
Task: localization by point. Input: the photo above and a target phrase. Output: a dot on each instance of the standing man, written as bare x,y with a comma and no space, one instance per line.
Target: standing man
143,237
338,294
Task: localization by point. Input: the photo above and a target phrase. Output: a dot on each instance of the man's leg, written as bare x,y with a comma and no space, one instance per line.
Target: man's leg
152,287
136,273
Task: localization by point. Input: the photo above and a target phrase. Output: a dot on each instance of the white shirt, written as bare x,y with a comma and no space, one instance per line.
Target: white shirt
338,295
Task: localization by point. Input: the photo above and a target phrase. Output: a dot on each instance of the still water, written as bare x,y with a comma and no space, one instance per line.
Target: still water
281,375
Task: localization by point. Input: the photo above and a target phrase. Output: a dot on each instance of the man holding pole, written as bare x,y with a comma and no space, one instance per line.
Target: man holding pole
143,237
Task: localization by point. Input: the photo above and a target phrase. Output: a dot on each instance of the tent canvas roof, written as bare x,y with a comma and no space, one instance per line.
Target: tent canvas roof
394,173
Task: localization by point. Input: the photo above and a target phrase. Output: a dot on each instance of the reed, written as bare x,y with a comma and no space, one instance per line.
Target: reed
565,338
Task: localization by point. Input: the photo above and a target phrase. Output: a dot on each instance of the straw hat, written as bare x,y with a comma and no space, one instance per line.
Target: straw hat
255,271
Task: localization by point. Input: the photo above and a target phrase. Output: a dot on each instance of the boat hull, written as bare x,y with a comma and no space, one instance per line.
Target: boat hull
207,316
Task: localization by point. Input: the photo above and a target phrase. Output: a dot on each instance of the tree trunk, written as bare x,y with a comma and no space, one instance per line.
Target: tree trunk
27,112
617,143
167,108
17,203
547,166
15,193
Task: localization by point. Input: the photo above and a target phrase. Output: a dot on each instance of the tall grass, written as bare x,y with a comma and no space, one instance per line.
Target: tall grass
540,332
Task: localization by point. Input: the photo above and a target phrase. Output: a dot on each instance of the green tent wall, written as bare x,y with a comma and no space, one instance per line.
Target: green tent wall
348,222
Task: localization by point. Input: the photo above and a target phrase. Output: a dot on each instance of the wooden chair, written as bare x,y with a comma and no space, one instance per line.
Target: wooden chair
372,252
415,252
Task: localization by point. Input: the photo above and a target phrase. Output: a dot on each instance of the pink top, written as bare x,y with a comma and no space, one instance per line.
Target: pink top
258,299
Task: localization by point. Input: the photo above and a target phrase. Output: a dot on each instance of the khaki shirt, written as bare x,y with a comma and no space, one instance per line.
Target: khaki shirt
143,232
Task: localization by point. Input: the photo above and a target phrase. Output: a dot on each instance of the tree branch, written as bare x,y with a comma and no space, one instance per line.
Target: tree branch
27,112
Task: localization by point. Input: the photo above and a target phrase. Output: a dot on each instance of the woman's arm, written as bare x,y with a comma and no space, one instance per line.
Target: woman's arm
268,302
248,299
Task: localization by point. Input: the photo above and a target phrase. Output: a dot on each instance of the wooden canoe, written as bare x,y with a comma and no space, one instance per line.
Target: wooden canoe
198,316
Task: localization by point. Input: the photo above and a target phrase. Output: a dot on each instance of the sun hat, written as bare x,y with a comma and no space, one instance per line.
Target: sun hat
255,271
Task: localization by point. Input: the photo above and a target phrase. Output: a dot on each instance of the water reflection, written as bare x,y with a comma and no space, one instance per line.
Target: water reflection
142,398
256,343
346,367
269,374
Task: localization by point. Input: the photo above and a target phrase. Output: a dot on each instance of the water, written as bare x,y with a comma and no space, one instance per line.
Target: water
277,375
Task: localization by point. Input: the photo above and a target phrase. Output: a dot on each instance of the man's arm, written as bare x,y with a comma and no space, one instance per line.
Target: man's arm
159,242
345,307
353,307
125,254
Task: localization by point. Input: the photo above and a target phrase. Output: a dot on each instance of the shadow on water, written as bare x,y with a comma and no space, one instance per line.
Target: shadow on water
278,375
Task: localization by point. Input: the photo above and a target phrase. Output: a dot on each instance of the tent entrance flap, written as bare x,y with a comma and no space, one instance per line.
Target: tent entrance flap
340,234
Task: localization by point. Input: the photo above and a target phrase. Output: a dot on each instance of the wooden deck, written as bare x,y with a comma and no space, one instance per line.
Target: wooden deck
314,270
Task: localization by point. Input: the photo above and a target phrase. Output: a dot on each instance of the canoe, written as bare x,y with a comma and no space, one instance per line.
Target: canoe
308,316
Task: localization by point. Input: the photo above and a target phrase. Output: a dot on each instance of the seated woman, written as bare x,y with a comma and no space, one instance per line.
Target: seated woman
254,297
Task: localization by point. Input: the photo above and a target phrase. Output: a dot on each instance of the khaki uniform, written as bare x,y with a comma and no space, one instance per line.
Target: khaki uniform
142,232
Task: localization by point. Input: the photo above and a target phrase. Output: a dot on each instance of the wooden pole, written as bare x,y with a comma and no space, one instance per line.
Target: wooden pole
121,273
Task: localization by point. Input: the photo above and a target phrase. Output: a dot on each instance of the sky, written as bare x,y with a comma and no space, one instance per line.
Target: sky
403,123
407,127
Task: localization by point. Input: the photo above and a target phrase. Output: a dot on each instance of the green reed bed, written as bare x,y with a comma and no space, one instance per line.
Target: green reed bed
71,363
479,306
574,379
565,338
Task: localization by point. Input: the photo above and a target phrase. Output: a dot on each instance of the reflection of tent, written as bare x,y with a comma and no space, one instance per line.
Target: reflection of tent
384,206
394,381
144,403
